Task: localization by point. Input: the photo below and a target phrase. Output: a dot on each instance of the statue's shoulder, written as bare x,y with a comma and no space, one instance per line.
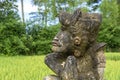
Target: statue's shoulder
98,46
54,54
97,54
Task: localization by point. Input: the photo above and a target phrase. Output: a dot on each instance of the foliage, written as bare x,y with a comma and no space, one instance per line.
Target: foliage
11,29
39,38
33,67
15,39
110,29
49,9
94,4
36,37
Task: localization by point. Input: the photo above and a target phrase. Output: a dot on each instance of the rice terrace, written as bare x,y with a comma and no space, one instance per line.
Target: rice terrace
33,67
28,27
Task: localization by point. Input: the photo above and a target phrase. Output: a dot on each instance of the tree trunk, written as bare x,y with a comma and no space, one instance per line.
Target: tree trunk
22,8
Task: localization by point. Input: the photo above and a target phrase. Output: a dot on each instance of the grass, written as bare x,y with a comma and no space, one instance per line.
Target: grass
112,71
23,68
33,67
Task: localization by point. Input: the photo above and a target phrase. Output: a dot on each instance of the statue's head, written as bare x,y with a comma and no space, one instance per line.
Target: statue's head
62,42
78,32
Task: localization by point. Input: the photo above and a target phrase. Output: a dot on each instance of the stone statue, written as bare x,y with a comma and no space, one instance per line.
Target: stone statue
76,54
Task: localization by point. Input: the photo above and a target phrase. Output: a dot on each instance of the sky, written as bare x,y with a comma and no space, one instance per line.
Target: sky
28,7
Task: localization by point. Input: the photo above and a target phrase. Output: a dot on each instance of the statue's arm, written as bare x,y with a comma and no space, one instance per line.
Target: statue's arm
101,63
54,62
98,57
101,60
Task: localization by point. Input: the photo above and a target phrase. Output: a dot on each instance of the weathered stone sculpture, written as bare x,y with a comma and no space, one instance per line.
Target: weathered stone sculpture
76,54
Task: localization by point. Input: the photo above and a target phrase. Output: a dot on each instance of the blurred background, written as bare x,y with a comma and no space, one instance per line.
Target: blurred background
27,27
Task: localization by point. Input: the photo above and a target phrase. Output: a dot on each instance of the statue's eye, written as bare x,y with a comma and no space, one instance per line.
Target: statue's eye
63,28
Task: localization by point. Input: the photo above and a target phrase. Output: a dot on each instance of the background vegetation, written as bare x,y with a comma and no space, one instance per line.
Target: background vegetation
20,37
34,36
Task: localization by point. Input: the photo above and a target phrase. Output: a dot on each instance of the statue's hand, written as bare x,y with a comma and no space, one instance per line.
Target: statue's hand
71,60
70,69
53,61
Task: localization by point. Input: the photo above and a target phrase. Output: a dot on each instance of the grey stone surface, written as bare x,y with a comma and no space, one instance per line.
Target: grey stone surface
76,53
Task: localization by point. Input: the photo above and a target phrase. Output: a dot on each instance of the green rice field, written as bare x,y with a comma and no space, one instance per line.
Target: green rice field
33,67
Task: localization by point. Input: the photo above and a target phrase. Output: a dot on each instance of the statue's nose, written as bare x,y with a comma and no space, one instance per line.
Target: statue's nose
55,39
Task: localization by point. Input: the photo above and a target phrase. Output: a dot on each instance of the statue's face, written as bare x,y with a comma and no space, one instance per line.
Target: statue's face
62,42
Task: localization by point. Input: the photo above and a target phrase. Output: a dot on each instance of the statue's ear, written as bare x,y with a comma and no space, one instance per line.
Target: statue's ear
77,41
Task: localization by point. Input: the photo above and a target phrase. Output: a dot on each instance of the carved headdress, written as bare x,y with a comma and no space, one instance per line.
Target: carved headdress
83,27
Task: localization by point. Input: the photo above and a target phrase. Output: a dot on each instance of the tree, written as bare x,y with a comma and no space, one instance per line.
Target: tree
39,38
94,4
11,29
118,3
110,28
49,9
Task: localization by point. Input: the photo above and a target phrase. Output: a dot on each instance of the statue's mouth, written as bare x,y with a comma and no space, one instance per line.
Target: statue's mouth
55,43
